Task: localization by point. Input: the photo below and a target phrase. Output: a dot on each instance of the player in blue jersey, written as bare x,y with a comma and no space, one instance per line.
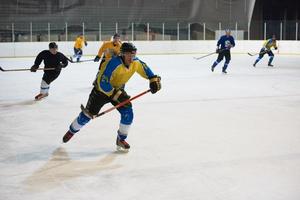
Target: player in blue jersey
268,44
109,88
225,43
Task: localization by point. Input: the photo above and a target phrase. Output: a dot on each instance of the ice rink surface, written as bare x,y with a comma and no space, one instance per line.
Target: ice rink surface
203,136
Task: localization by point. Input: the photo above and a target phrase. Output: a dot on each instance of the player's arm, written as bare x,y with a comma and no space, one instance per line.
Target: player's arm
100,52
275,46
154,80
232,42
64,61
38,61
218,45
85,42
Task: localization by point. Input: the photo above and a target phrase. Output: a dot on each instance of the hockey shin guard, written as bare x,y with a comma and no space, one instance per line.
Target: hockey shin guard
79,122
126,121
44,87
215,64
271,59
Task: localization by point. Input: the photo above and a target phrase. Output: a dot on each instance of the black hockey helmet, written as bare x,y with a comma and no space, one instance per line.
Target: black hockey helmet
127,47
53,45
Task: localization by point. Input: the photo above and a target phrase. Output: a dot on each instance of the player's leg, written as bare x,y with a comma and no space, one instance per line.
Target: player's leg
79,54
48,77
227,60
260,56
124,126
219,59
271,57
95,103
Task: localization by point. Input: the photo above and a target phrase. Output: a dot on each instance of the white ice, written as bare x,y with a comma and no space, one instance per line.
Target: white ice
204,136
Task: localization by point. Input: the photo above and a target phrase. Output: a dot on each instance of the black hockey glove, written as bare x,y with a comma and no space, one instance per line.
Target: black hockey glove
119,96
85,43
34,68
155,84
218,50
96,59
59,66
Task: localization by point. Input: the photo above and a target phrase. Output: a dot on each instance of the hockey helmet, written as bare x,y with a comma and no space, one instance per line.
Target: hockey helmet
53,45
127,47
116,35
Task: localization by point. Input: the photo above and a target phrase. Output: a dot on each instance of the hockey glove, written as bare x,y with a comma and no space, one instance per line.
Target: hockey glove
96,59
85,43
218,50
34,68
119,96
155,84
59,66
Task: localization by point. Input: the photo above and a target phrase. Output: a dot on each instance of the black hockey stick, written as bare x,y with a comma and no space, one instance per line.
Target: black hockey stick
85,111
73,61
198,58
254,54
25,69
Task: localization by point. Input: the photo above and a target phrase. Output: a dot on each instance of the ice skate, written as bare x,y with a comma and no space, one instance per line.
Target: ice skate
40,96
270,65
224,72
122,145
67,137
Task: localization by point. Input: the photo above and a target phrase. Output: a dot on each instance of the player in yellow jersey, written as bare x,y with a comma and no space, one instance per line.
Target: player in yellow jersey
111,81
268,44
109,49
79,42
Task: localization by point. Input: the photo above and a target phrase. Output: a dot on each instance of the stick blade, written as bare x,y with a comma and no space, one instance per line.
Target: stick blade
1,69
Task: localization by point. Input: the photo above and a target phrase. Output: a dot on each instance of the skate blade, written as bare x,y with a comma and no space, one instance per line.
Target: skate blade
122,150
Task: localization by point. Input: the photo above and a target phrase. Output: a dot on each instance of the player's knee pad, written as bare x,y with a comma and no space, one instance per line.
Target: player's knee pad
126,115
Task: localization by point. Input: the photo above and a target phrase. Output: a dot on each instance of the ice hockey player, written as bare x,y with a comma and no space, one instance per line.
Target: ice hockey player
110,89
109,49
226,42
79,41
52,59
268,44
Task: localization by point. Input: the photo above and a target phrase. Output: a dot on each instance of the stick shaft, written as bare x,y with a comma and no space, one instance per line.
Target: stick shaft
122,103
25,69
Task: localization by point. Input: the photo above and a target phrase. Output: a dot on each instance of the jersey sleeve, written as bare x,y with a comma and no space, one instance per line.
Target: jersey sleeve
144,70
64,60
233,42
101,50
39,58
219,42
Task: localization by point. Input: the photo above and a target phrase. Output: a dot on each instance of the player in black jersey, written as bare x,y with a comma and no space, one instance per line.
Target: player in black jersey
52,59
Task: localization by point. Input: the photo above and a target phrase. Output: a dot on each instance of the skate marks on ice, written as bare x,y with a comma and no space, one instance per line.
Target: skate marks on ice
61,168
17,103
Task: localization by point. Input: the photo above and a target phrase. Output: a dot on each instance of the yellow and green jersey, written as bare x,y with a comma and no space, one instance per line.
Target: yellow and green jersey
114,74
268,44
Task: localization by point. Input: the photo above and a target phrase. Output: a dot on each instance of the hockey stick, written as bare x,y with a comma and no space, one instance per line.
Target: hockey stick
25,69
250,54
198,58
85,111
72,61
